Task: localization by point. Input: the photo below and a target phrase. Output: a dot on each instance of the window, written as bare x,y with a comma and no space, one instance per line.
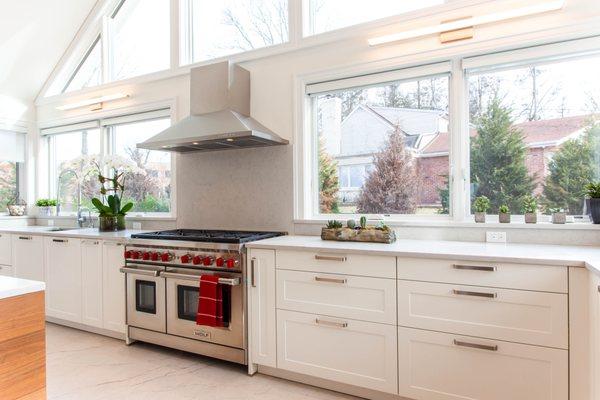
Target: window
377,146
140,40
12,158
89,71
328,15
70,183
535,131
224,27
150,191
71,177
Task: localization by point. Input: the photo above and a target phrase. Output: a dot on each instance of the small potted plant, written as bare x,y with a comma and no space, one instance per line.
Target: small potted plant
46,207
592,191
482,205
529,207
504,214
559,216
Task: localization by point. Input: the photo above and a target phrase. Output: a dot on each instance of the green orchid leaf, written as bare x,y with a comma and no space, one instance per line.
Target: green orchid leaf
126,208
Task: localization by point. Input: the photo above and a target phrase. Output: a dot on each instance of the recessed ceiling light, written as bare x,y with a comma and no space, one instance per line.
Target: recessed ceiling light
196,143
230,140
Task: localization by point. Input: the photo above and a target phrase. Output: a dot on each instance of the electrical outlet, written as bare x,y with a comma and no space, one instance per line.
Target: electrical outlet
50,222
495,237
137,225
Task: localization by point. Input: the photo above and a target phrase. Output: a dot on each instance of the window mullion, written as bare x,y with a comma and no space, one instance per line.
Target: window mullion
175,30
106,50
459,143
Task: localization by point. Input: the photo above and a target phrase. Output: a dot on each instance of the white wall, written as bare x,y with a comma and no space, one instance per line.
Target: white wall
253,189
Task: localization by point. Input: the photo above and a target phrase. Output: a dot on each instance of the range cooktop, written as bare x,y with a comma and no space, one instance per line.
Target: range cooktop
205,235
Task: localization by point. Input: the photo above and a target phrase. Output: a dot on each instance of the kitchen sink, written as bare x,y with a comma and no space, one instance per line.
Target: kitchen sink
58,229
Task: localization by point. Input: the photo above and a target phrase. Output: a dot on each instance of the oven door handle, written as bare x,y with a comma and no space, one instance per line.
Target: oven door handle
138,271
196,278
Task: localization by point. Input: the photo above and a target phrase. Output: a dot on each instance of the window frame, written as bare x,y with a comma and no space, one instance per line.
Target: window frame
306,207
105,125
305,165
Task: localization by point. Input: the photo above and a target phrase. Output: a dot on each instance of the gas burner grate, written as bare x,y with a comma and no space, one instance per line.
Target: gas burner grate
206,235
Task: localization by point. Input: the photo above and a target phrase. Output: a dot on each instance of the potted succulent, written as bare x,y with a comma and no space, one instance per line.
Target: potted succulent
504,214
46,207
482,205
380,233
559,216
530,206
592,190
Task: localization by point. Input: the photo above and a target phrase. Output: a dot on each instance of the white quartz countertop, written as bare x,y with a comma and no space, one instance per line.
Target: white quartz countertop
576,256
11,287
84,233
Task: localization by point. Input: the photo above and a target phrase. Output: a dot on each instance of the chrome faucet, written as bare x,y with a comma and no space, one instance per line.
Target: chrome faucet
84,221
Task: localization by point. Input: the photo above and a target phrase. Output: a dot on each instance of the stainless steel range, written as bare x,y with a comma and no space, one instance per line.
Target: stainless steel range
163,271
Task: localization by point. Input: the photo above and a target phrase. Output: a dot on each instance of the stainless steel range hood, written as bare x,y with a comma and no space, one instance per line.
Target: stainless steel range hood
219,120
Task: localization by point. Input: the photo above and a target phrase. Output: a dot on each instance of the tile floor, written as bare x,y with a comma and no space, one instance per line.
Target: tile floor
85,366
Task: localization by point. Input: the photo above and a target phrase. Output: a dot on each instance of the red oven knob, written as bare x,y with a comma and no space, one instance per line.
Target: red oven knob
186,258
220,261
197,260
135,255
127,254
166,257
154,256
231,263
146,256
207,261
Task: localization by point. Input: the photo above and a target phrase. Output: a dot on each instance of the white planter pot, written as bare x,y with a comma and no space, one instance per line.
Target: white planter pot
47,211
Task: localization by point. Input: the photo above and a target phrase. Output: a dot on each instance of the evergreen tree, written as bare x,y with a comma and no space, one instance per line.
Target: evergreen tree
498,152
328,182
391,188
571,168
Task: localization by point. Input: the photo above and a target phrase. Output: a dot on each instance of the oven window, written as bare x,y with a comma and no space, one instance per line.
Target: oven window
145,296
187,303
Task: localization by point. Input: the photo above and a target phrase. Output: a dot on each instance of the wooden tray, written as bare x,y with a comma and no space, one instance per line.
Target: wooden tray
358,235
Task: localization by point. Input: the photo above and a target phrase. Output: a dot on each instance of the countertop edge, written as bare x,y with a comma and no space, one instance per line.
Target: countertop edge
21,287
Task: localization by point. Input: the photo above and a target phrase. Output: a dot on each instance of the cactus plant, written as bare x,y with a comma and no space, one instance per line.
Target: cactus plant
363,222
333,224
351,224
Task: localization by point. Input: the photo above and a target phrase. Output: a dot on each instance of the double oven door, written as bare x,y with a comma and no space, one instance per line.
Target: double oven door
166,300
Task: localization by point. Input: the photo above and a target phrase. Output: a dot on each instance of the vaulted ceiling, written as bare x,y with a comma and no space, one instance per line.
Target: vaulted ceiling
34,34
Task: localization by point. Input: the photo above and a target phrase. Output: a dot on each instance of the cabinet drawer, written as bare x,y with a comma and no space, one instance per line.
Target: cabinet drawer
337,263
6,270
343,350
345,296
514,315
506,275
439,366
5,249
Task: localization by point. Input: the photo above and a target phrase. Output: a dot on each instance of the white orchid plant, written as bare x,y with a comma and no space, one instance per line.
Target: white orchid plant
111,171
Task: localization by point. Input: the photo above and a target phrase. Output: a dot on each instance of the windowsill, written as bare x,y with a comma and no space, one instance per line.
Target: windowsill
95,217
10,217
470,224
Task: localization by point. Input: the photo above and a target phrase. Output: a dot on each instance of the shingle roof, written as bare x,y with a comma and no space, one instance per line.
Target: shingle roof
534,132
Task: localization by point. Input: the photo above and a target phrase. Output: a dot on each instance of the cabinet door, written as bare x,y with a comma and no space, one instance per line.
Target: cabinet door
262,318
28,257
63,278
5,249
113,287
342,350
440,366
91,282
6,270
595,334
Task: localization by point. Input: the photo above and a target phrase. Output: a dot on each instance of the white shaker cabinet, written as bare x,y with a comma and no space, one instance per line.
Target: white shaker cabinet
63,278
595,335
113,284
28,257
5,249
91,283
262,303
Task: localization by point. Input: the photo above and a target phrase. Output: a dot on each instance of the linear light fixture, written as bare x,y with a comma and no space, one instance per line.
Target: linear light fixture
92,101
470,22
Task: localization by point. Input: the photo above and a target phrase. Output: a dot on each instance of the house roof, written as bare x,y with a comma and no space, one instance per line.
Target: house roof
411,121
535,133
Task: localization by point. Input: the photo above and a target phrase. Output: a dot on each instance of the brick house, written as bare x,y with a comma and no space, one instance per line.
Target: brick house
542,138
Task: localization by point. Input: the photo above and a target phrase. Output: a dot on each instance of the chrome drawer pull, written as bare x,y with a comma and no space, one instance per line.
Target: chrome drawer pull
474,267
60,240
331,323
196,278
137,271
331,280
330,258
476,345
476,294
25,237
